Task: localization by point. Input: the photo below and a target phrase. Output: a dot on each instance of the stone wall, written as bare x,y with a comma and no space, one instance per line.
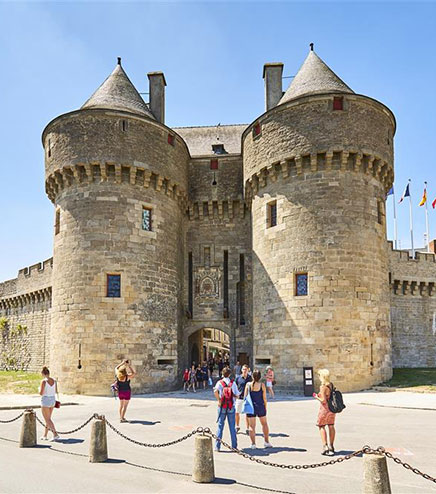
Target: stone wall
26,301
219,221
413,308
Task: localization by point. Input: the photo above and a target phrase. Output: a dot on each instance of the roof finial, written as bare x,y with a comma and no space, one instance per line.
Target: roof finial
119,60
311,46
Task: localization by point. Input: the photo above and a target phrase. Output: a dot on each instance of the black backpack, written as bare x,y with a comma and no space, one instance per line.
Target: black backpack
335,402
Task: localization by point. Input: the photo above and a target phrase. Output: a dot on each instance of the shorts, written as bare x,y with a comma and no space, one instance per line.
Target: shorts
238,405
48,401
124,395
269,384
258,412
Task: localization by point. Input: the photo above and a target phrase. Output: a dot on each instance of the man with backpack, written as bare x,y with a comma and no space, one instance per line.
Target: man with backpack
226,393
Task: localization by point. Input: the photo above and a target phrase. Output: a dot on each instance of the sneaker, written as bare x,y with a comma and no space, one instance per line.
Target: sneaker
123,421
237,429
267,445
325,450
253,446
43,438
331,451
55,439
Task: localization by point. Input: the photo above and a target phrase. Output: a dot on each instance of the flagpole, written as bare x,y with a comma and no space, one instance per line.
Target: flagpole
395,221
411,221
426,218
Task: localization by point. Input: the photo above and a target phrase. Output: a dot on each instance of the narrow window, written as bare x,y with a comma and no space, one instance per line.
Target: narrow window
214,164
226,284
190,285
338,103
371,362
124,125
171,139
301,284
207,257
49,148
113,287
257,129
241,298
57,221
271,214
146,219
380,212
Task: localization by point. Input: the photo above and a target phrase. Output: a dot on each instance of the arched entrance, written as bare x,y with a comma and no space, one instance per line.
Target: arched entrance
209,343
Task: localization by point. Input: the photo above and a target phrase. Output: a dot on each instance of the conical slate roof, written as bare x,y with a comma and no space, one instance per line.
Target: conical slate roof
118,93
314,77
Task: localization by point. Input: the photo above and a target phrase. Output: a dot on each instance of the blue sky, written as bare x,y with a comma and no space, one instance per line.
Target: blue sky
54,55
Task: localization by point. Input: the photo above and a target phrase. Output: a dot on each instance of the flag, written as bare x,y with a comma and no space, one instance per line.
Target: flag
406,193
434,203
424,197
391,191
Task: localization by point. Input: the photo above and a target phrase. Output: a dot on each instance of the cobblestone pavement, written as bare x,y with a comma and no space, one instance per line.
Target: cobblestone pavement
402,422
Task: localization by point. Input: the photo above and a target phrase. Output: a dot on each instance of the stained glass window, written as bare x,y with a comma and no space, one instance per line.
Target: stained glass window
301,284
146,219
113,285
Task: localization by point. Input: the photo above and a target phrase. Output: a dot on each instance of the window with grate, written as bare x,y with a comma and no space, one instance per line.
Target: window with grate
113,285
272,214
301,281
218,149
146,219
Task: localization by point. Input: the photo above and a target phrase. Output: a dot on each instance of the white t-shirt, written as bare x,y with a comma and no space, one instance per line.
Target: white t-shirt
49,390
219,387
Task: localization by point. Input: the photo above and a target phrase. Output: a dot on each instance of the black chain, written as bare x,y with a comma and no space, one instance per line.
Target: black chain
381,451
72,431
280,465
159,445
12,420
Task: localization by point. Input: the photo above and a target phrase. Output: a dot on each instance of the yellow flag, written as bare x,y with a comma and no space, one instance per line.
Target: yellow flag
424,198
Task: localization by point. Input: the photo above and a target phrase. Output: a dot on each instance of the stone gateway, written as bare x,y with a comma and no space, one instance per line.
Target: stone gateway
272,233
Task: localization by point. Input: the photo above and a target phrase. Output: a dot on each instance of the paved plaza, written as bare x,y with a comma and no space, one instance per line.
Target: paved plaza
400,421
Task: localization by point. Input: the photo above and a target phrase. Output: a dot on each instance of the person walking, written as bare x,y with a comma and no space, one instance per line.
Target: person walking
204,374
241,382
237,369
270,380
325,416
192,378
185,379
125,373
220,367
211,365
258,396
226,393
48,390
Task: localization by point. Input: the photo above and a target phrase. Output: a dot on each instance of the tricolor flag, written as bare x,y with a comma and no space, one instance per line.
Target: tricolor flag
406,193
434,203
391,191
424,197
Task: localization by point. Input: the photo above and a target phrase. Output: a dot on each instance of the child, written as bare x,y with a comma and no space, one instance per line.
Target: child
270,380
185,379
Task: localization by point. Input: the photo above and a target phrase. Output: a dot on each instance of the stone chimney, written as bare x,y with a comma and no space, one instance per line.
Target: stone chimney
272,74
157,85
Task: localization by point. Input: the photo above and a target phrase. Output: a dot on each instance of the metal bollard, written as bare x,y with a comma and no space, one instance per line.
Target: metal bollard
204,470
98,445
376,476
28,430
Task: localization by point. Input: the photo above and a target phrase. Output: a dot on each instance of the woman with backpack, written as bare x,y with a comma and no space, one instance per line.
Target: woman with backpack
257,391
325,416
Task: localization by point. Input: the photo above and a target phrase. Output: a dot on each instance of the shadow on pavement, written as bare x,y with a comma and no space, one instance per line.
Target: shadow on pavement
70,440
144,422
271,451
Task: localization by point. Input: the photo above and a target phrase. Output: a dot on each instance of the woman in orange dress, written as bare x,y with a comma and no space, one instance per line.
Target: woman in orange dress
325,416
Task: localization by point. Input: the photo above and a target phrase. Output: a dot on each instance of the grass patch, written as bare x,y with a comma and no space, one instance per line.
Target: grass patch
420,379
19,382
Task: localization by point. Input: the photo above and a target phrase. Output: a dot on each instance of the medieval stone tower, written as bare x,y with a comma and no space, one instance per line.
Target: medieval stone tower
266,240
112,170
317,167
